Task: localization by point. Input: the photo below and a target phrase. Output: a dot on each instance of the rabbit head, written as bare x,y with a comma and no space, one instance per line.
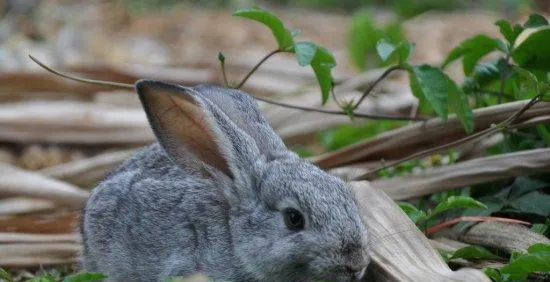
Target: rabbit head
288,220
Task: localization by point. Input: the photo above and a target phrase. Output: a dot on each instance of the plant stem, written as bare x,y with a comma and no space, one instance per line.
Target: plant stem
503,76
438,227
256,67
224,74
333,112
509,121
374,83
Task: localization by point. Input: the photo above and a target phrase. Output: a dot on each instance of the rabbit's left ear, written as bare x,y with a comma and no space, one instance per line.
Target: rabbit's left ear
194,132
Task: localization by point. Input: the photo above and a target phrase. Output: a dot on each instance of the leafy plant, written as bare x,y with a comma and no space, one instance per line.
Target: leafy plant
307,53
536,259
422,217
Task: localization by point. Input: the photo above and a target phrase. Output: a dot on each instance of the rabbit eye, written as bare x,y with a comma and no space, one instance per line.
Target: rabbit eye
294,219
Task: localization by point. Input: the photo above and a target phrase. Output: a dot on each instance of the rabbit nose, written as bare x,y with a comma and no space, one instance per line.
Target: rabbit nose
356,273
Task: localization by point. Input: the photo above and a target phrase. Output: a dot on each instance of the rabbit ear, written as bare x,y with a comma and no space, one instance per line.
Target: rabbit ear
244,112
191,129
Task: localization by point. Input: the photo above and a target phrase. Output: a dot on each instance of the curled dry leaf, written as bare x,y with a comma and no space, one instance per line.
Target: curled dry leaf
53,223
465,174
73,122
418,136
87,172
18,182
24,254
502,236
18,205
399,251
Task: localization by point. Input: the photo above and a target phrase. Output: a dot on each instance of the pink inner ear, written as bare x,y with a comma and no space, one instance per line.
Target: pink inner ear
182,122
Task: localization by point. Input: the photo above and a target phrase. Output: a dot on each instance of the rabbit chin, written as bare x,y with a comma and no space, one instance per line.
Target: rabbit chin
281,261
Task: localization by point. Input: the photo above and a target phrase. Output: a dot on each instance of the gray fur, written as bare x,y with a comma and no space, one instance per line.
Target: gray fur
154,217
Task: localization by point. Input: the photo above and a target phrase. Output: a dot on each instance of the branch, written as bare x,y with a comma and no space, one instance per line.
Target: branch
334,112
374,83
438,227
256,67
84,80
509,121
330,112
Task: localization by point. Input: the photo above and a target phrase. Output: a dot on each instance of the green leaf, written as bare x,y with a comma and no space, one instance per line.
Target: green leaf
388,52
532,81
455,202
524,264
412,212
539,248
430,83
458,103
282,34
46,278
494,274
535,20
305,52
532,50
85,277
534,202
385,49
322,65
540,228
473,253
362,38
4,275
473,50
508,31
221,57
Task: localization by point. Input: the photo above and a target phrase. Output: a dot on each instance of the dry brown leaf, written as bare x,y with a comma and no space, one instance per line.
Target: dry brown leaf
60,223
399,251
466,173
87,172
18,182
502,236
421,135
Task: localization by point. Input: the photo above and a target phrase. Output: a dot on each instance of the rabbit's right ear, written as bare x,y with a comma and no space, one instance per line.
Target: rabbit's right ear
192,130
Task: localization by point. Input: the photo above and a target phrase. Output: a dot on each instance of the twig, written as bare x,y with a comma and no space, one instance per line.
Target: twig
331,112
438,227
374,83
334,112
84,80
509,121
503,75
256,67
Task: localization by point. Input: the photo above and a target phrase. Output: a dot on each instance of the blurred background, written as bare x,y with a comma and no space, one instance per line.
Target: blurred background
58,137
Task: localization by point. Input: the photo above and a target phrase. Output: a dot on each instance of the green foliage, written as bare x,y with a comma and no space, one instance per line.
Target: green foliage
307,53
542,228
337,138
389,52
84,277
454,202
537,259
424,218
4,275
534,51
412,212
473,253
280,32
363,37
472,50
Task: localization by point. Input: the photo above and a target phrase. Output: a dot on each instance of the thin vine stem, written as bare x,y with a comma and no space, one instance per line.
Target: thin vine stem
493,129
371,86
334,112
269,101
253,70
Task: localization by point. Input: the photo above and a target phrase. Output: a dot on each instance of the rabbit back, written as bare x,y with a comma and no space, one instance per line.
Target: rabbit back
148,220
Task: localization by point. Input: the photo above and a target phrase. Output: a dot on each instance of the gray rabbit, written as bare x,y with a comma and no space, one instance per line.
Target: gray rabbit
222,195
